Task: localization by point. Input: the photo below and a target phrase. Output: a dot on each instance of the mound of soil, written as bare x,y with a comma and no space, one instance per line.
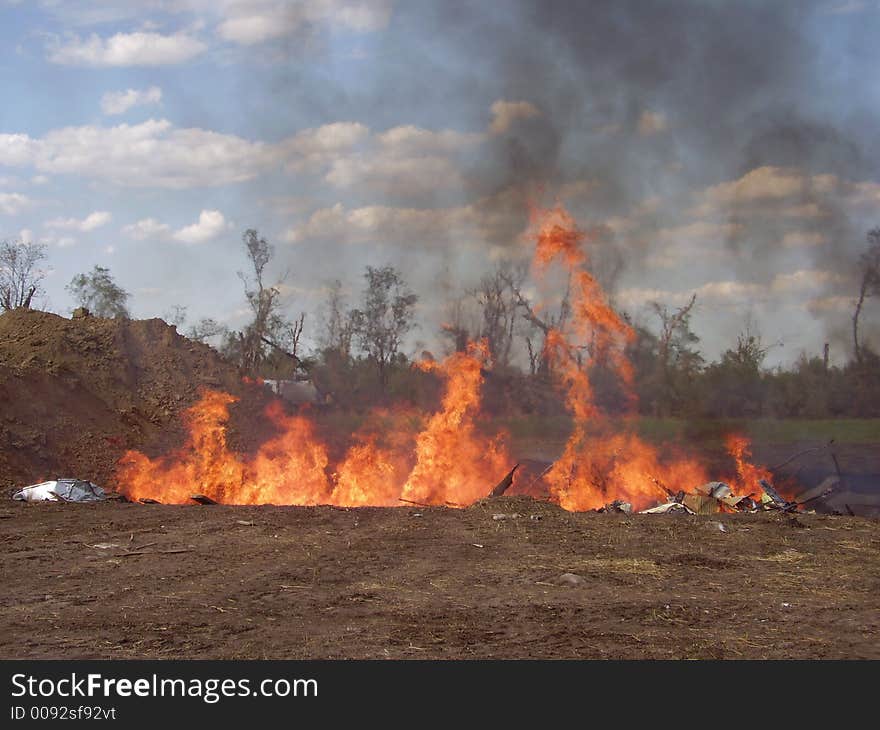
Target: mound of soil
77,393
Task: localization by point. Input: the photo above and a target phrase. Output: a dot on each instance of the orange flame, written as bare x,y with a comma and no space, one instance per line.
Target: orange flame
452,462
748,475
597,465
449,461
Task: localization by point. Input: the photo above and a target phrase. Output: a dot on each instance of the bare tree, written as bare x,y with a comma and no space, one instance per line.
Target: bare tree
539,357
97,292
459,326
20,273
338,322
498,299
869,263
176,315
286,339
386,317
675,331
674,349
206,329
264,302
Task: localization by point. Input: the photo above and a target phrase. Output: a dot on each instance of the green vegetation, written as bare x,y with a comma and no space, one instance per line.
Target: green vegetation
550,432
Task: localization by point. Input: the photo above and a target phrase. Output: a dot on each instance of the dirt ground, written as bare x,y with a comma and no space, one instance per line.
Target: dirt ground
149,581
77,393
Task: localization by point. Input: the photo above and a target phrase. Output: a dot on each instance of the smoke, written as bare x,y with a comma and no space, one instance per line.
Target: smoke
649,99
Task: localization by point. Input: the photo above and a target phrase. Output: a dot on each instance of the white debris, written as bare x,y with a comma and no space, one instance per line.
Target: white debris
61,490
669,507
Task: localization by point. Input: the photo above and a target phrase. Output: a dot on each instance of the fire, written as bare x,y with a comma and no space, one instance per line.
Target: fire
448,461
747,473
202,465
600,464
451,463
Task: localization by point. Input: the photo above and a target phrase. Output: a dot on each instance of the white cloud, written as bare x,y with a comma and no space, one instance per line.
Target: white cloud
715,292
805,210
16,149
151,154
788,192
396,226
211,224
780,288
27,235
395,176
119,102
126,49
699,231
505,113
866,193
696,241
409,141
89,223
803,239
805,280
315,148
265,20
728,291
760,184
146,228
824,305
485,221
13,203
405,160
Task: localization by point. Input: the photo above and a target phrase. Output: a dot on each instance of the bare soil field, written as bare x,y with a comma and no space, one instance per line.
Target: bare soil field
127,581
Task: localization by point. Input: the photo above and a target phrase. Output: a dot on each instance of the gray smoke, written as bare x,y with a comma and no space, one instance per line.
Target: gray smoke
737,85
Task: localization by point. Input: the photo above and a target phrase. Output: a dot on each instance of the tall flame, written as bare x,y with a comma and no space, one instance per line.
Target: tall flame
449,461
452,462
599,464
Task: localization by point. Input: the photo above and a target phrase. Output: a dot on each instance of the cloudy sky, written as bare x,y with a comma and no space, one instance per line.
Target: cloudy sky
728,149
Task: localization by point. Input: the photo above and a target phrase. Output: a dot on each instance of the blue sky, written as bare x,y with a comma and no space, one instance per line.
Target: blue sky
728,149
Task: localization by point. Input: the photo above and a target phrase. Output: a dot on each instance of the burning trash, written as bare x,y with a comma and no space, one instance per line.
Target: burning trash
717,497
452,460
618,506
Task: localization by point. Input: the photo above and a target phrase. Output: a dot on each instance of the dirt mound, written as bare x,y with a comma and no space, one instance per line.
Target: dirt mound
76,393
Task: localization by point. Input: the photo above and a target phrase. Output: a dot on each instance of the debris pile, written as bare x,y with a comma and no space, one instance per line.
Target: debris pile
716,498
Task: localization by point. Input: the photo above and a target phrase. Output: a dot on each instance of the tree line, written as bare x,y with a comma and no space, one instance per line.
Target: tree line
359,358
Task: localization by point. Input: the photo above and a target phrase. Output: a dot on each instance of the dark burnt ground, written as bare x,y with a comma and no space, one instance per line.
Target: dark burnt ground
374,583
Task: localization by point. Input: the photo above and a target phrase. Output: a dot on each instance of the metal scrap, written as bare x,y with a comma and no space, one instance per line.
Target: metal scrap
61,490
